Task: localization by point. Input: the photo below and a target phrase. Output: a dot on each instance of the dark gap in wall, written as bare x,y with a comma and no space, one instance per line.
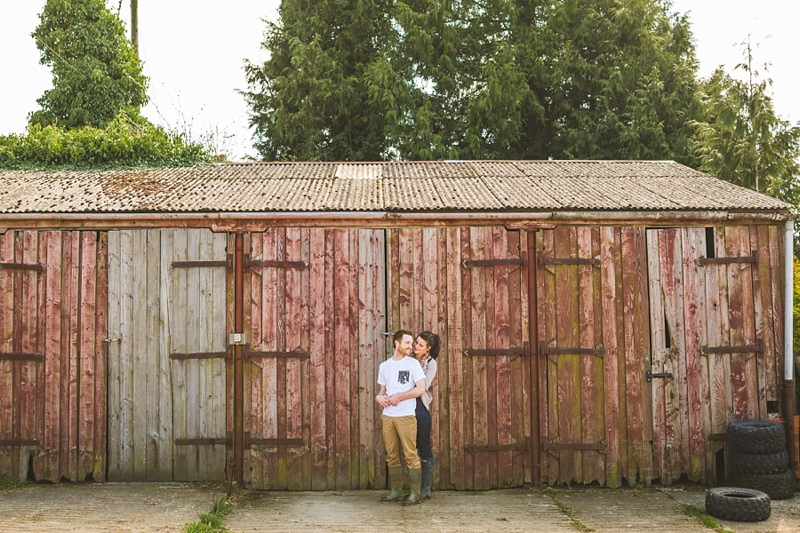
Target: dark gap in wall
710,243
719,458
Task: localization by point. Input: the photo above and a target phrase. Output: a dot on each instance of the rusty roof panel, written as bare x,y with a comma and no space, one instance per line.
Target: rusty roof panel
418,186
412,194
520,193
432,169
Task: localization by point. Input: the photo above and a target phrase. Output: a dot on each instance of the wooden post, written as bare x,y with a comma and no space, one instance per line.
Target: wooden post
533,346
135,25
238,363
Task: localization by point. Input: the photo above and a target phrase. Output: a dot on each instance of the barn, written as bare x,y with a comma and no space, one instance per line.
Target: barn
602,322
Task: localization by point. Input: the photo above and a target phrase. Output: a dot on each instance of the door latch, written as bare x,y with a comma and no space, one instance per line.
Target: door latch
649,375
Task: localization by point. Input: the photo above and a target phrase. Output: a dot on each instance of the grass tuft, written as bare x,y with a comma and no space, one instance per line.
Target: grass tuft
211,522
7,482
701,516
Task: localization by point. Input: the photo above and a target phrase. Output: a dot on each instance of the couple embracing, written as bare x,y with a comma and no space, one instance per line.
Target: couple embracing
405,380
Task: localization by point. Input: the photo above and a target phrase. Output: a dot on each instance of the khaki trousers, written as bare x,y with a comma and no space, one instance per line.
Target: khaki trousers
400,431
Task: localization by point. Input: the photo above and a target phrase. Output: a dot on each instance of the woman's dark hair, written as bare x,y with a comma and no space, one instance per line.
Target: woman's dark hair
433,342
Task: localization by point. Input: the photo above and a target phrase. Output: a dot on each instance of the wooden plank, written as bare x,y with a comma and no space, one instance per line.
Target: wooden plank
747,271
693,240
353,450
717,376
280,338
269,369
7,399
548,369
469,372
521,380
317,352
776,251
609,267
405,264
490,460
100,363
658,352
589,387
567,334
442,410
115,472
331,405
150,432
760,296
87,336
217,368
737,313
366,420
341,350
27,370
139,356
462,431
305,366
163,444
294,393
502,371
379,278
254,470
178,334
477,338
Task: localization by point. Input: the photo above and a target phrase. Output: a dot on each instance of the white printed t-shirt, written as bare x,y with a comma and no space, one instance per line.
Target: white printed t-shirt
398,377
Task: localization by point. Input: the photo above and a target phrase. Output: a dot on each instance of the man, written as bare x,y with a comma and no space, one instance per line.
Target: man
402,381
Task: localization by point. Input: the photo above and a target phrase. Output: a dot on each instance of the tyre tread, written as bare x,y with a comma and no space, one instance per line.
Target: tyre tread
728,504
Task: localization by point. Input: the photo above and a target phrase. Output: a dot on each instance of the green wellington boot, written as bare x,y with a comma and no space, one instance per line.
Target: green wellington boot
396,484
415,475
427,479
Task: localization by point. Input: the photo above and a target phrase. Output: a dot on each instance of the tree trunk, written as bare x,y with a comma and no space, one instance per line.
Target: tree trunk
135,25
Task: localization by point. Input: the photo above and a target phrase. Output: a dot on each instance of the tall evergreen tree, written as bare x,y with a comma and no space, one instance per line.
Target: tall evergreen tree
96,73
310,100
741,138
487,79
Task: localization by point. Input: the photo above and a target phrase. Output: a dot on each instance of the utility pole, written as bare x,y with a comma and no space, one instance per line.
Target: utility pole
135,25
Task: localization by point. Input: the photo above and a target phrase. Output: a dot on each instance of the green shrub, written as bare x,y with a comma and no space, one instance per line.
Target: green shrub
123,142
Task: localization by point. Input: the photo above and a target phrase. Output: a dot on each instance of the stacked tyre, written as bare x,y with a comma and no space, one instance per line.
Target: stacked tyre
758,459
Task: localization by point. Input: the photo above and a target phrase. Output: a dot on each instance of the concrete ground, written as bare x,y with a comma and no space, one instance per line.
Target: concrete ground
151,507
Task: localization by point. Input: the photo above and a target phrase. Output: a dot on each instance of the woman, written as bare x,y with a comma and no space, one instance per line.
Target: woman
426,350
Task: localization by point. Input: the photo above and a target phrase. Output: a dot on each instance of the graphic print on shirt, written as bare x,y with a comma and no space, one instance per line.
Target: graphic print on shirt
403,377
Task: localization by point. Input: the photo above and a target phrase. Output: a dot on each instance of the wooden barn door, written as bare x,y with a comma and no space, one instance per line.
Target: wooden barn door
593,348
167,355
469,285
716,323
52,364
314,316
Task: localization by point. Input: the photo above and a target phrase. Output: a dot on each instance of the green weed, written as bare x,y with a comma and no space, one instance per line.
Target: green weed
11,482
703,518
211,522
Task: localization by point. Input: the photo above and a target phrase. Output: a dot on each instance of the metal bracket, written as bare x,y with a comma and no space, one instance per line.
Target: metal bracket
649,375
237,339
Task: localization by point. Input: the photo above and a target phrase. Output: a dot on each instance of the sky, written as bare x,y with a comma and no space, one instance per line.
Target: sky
194,52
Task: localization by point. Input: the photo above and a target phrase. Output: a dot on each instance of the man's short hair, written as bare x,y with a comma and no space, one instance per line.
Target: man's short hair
400,333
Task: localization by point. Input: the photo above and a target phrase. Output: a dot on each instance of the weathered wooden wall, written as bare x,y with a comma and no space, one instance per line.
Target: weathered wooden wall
593,343
316,341
52,356
482,408
166,356
698,309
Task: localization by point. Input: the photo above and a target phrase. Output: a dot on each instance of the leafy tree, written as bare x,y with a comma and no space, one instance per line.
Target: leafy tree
123,142
477,79
310,99
741,139
96,73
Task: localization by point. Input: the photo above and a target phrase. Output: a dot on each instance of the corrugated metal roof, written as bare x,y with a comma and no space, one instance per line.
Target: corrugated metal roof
412,186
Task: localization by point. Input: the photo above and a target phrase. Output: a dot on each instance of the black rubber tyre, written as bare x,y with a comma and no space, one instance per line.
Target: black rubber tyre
756,436
740,505
777,486
751,463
